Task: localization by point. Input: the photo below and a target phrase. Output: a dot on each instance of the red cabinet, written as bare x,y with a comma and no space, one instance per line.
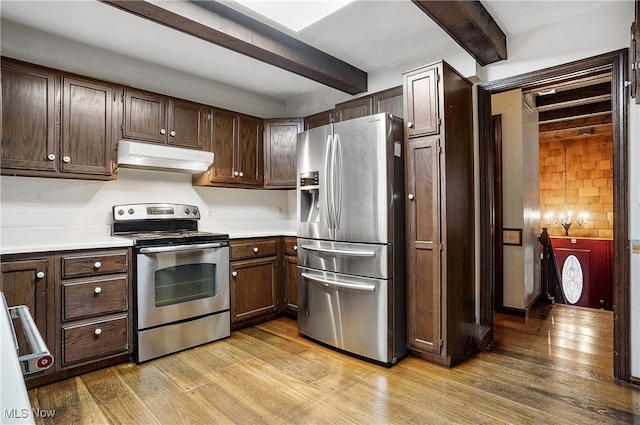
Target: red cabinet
592,260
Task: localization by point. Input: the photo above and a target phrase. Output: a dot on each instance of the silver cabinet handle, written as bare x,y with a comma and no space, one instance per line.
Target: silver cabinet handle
97,331
409,124
411,197
295,247
163,131
97,290
97,265
51,157
173,133
66,159
255,249
234,274
40,275
235,173
241,174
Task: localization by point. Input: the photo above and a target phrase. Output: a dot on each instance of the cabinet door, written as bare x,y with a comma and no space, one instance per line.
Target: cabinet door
317,120
248,160
28,118
144,116
280,137
27,283
291,288
421,102
189,125
423,246
88,126
356,108
253,288
389,101
222,146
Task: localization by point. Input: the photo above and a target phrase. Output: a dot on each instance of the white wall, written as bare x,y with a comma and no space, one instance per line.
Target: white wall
46,49
381,79
508,104
38,202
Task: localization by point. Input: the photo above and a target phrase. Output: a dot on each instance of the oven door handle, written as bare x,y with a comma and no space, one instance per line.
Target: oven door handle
176,248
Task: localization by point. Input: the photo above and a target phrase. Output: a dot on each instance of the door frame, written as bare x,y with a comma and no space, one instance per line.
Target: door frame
617,63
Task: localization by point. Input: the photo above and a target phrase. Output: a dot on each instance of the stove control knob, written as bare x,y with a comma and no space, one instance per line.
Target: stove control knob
195,211
187,211
120,212
130,211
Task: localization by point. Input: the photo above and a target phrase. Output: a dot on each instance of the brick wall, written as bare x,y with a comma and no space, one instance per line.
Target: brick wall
588,186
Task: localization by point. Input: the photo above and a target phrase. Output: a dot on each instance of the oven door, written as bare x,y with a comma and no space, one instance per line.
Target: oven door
176,283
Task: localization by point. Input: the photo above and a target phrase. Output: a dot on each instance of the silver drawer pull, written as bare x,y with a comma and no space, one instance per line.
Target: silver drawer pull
255,249
97,290
338,284
234,274
352,253
40,275
97,265
97,331
51,157
295,247
40,357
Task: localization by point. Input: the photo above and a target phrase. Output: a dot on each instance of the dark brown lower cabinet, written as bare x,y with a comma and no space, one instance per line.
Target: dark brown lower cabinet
254,289
291,275
28,281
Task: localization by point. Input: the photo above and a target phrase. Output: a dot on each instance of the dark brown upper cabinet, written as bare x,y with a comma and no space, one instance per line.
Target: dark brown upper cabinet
280,138
388,101
156,118
356,108
318,120
421,113
57,124
237,149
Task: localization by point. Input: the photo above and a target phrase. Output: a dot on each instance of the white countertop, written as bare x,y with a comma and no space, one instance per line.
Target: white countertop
21,240
18,240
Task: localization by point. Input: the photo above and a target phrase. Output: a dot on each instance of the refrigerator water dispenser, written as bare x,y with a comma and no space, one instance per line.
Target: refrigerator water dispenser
309,197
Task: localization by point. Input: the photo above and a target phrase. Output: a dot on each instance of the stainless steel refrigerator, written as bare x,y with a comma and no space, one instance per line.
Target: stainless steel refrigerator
350,207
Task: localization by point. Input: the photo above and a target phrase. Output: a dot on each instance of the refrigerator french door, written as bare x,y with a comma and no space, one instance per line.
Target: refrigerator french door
350,193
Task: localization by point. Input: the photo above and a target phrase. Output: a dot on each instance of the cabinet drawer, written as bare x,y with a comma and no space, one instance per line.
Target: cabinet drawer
291,246
94,297
94,339
251,249
96,263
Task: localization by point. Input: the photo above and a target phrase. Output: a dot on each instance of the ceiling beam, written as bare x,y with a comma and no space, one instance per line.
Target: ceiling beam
228,28
470,25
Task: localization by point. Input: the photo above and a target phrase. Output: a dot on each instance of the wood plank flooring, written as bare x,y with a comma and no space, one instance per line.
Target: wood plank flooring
554,367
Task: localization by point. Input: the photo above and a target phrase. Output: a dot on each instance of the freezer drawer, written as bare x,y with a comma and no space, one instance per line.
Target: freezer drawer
347,312
371,260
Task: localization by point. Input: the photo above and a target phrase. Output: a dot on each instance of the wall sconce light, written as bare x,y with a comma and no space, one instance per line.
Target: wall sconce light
566,220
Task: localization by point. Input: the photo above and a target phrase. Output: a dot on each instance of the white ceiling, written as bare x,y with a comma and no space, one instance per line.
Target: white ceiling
370,35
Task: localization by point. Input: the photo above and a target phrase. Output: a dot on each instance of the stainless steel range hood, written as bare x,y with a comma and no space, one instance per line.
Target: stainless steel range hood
133,154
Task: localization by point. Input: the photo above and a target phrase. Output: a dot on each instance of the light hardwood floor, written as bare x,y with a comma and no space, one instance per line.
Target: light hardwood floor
554,367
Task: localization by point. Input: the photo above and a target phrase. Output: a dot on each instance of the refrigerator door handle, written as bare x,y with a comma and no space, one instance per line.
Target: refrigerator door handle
337,182
328,192
348,252
343,284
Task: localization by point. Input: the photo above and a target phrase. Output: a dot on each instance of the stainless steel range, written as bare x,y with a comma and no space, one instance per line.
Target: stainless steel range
181,278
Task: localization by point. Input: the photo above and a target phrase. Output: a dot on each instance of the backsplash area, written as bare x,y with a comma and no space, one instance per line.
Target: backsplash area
39,202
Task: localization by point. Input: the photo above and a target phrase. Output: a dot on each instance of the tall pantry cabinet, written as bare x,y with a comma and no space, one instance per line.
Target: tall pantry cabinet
439,213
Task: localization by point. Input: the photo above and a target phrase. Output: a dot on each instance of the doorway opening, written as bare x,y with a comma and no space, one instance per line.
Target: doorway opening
614,63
